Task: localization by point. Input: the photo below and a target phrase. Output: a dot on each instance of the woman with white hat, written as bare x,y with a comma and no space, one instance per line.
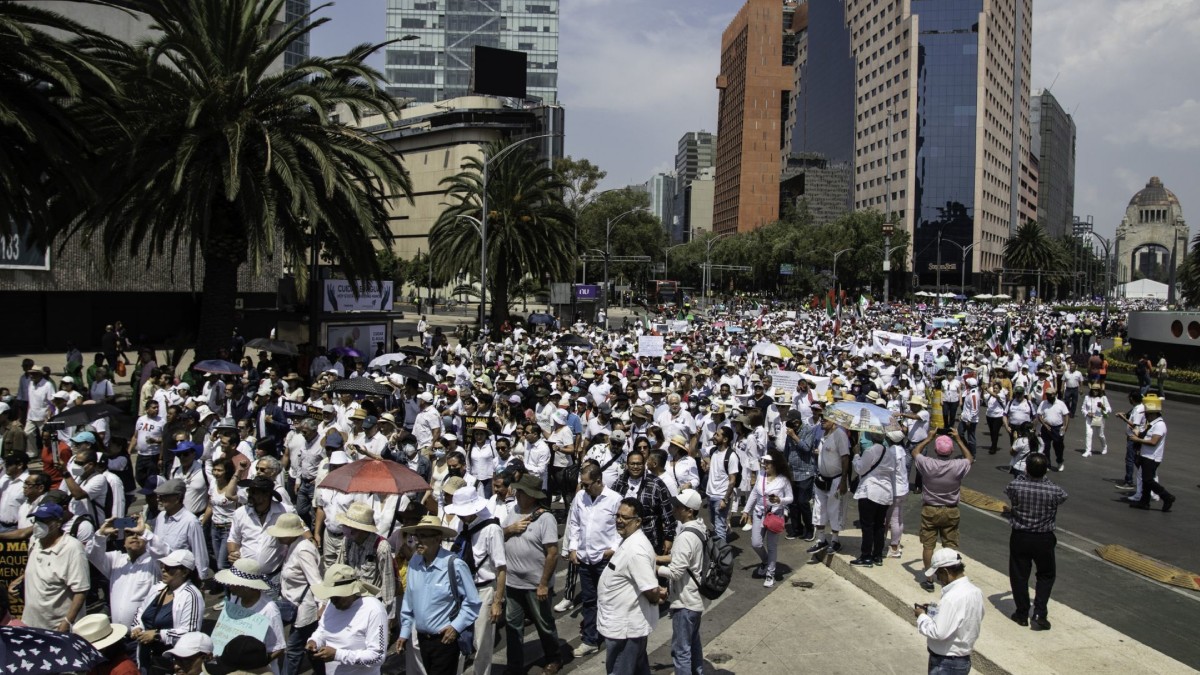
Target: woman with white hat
247,587
300,572
109,639
481,456
352,633
172,608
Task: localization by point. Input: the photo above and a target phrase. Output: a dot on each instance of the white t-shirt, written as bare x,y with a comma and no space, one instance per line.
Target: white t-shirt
622,610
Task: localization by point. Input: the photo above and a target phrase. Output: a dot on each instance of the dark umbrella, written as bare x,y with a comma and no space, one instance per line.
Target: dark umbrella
360,385
346,351
219,367
572,340
375,476
85,414
36,650
540,318
415,373
414,351
274,346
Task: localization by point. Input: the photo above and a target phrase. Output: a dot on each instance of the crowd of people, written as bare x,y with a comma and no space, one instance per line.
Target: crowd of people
628,457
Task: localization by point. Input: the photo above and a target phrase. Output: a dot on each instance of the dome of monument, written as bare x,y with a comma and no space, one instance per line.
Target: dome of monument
1154,194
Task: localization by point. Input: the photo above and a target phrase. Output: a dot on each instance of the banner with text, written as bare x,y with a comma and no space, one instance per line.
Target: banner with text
372,297
650,345
884,342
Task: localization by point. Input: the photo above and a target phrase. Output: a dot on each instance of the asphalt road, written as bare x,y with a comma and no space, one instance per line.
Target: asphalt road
1095,510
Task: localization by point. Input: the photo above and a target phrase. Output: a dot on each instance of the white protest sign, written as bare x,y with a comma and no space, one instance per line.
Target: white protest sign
679,326
820,385
785,380
236,620
650,345
884,342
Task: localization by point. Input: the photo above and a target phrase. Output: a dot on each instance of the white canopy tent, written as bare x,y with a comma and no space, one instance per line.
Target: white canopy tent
1143,288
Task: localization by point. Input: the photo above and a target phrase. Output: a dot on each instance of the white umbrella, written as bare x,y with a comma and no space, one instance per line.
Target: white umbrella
1002,296
946,295
921,294
386,360
984,296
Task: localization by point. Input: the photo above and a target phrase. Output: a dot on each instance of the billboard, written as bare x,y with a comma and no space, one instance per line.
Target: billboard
588,292
498,72
19,252
363,338
372,297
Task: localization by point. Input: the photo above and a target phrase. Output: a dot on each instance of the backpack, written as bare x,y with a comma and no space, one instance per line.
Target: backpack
717,565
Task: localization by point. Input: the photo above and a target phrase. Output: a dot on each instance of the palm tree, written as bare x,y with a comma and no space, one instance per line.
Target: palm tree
216,151
1030,249
529,228
41,140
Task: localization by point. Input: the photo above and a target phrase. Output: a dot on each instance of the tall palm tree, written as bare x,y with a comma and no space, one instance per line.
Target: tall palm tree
217,151
529,228
1030,249
46,62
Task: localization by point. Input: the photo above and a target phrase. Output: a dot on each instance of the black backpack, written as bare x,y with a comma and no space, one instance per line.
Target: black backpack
717,567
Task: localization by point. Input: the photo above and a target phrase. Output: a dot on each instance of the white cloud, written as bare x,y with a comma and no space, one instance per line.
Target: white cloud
1175,129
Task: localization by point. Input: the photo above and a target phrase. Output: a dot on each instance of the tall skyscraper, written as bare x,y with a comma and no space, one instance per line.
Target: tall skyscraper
940,85
437,64
758,49
697,151
661,188
298,50
1054,145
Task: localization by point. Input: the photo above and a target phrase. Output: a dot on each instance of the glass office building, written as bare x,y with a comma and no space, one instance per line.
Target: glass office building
298,50
944,189
436,63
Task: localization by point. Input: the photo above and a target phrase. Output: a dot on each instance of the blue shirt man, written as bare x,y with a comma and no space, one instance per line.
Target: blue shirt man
439,604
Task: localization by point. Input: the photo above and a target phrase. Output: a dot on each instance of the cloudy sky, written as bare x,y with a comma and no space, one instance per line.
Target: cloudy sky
634,75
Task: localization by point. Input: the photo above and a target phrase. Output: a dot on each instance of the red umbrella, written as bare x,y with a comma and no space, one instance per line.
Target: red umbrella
375,476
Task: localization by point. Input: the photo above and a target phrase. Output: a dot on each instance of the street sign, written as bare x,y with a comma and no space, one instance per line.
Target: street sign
787,269
659,268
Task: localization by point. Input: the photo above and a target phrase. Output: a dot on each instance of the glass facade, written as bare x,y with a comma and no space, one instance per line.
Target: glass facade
437,65
825,100
944,199
298,50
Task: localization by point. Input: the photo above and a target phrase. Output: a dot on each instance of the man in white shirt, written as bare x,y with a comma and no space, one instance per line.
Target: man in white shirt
969,415
148,436
682,568
1055,418
427,427
131,573
84,480
12,489
1152,443
248,536
41,396
628,594
481,543
591,540
1071,381
952,631
830,487
352,634
179,528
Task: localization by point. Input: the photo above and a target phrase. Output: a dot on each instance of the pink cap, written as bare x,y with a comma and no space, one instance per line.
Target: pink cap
944,445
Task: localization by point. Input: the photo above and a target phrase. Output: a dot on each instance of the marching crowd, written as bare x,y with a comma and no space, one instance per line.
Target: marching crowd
629,462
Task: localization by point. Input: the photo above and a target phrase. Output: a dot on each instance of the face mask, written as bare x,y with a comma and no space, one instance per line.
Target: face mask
864,443
75,470
438,454
455,472
41,531
410,450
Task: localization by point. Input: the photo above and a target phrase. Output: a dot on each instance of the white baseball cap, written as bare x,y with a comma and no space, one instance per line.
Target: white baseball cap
191,644
943,557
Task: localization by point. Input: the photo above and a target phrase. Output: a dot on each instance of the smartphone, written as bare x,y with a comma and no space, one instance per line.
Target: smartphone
124,523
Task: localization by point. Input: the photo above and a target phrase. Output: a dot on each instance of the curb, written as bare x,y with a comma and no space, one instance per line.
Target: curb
1170,395
838,563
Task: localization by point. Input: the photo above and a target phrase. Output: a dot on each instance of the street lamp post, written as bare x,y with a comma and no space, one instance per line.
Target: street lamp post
708,246
962,286
667,260
836,255
887,252
483,199
1107,244
888,230
608,253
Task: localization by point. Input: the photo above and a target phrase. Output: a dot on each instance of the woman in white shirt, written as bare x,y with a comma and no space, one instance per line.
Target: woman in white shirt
682,467
875,464
899,478
482,457
995,399
300,572
772,493
222,502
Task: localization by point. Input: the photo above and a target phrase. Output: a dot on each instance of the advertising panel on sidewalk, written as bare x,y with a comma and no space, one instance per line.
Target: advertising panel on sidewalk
361,337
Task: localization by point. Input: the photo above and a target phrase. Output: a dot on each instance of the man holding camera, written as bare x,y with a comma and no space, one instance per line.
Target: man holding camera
942,479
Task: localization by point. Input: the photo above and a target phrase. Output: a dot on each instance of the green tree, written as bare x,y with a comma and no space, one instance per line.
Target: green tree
635,232
46,62
529,227
1030,249
581,178
214,149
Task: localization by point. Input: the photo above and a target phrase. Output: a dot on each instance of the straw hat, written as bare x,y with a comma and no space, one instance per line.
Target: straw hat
100,631
1152,402
246,572
481,426
358,516
679,441
431,523
917,400
453,484
341,581
288,525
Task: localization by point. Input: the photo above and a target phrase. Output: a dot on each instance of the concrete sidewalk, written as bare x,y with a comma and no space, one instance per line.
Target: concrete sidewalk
1076,643
831,627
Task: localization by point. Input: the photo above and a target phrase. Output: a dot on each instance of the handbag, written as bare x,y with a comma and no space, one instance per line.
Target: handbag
854,480
466,639
120,366
288,609
773,522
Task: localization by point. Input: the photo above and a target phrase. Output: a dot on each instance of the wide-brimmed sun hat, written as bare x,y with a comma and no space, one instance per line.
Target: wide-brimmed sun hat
246,573
99,630
341,581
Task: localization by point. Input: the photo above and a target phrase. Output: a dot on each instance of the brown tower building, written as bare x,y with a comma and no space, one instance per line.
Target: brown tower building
757,52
